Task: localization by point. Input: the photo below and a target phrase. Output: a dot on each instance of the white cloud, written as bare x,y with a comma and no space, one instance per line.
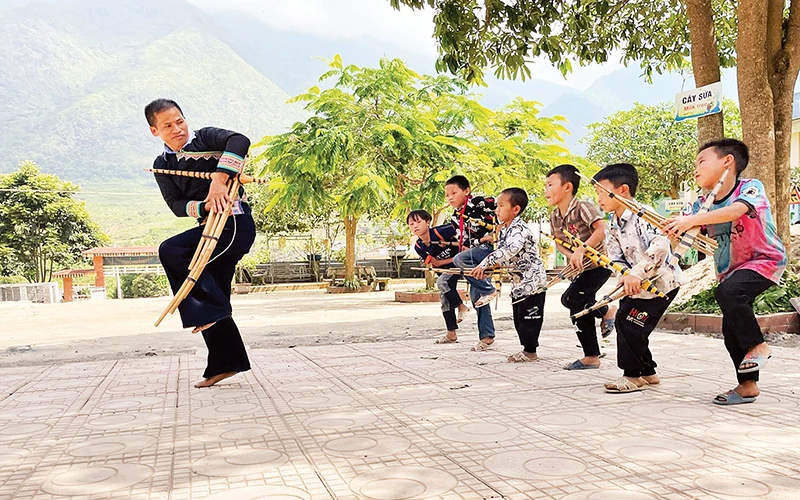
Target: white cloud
350,19
376,20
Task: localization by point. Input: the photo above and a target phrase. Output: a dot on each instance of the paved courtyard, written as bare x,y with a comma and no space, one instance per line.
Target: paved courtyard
404,419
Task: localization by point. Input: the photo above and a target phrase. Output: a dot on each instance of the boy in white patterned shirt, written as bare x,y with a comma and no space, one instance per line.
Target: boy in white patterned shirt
517,247
633,243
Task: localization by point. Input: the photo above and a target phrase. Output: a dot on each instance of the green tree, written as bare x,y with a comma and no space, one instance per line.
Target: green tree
382,140
760,37
662,149
42,226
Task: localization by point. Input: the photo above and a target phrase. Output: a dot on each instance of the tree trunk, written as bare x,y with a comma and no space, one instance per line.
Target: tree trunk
782,48
705,63
783,139
350,224
430,280
756,102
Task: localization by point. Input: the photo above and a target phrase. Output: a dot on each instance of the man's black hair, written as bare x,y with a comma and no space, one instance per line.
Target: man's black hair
419,215
733,147
458,180
567,173
618,174
158,106
517,197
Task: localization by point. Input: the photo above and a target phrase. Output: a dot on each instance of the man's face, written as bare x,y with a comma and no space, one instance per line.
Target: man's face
555,190
455,195
708,167
608,204
505,211
171,128
418,226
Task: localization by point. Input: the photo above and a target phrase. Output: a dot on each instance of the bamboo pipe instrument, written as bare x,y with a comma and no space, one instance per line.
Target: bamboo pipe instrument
206,247
243,178
695,239
603,261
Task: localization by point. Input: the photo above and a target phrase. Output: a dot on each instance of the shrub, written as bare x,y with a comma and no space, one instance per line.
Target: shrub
774,300
144,285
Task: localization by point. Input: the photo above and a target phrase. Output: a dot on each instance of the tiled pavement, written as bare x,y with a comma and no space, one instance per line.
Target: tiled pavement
399,420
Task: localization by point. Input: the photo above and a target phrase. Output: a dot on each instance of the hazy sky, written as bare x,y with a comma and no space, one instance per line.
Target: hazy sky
376,20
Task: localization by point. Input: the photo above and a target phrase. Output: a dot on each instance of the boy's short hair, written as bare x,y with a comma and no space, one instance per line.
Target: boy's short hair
157,106
733,147
517,197
419,215
458,180
567,173
618,174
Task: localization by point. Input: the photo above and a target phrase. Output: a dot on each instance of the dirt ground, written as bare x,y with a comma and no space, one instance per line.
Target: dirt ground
32,334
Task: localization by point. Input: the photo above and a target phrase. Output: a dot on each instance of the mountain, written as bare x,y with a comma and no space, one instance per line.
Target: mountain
75,77
76,74
292,60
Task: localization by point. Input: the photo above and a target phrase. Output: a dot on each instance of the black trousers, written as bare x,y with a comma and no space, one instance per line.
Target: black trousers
581,294
528,319
454,299
635,321
209,301
740,329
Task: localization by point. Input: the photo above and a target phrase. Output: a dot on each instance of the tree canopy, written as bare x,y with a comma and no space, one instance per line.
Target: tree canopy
382,141
662,150
760,37
42,226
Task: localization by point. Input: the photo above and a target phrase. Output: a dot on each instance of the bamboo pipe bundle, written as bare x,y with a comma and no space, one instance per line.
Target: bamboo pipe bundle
243,178
213,229
615,294
204,252
689,239
603,261
467,270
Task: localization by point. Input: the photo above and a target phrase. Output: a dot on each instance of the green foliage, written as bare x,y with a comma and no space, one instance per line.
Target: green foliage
774,300
42,226
476,34
352,284
274,221
648,137
143,285
383,140
339,255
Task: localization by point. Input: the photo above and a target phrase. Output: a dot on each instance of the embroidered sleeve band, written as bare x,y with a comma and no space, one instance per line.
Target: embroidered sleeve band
195,209
231,162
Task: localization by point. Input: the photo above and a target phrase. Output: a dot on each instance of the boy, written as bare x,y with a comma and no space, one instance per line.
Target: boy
436,247
750,257
635,244
517,247
470,217
583,220
208,305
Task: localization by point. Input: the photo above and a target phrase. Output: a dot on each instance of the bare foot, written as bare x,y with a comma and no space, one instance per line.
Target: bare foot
199,329
208,382
591,360
748,389
651,379
463,310
761,349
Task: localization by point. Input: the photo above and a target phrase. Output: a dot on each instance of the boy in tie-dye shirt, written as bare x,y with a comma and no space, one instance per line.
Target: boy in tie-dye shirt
749,258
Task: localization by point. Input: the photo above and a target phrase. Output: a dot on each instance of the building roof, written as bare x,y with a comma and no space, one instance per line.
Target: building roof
120,251
71,273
